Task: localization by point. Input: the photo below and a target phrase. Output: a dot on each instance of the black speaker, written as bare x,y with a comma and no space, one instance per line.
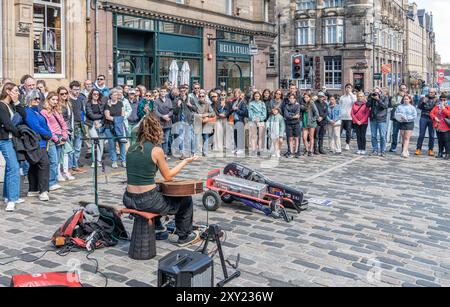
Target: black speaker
184,268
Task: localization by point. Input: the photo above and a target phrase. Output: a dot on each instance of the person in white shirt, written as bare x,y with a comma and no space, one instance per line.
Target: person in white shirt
346,103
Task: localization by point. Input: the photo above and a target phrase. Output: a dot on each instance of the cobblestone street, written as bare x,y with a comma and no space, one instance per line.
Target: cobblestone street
388,225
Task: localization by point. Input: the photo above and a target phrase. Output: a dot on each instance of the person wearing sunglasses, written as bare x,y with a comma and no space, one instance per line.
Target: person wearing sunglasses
100,85
67,150
204,129
38,173
147,105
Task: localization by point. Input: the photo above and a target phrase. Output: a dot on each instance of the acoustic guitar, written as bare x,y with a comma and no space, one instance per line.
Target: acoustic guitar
180,188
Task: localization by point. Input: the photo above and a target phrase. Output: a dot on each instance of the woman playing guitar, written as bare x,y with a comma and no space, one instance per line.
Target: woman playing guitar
144,159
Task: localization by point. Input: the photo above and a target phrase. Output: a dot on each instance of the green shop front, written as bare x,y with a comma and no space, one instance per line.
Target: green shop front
233,60
145,51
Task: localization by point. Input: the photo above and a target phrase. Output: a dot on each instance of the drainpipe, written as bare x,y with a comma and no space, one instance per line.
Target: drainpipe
88,42
96,39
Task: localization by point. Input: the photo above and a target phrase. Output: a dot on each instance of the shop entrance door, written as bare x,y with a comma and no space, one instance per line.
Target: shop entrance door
235,77
358,81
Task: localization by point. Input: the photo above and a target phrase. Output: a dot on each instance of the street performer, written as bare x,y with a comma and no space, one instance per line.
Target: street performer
144,158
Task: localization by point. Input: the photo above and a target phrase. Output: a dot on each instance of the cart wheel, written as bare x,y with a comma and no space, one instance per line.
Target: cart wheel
211,200
227,198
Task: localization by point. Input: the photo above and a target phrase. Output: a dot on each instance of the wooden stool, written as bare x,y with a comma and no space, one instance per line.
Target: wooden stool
143,238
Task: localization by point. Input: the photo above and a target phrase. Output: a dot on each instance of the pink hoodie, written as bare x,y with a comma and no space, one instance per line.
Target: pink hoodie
360,113
56,124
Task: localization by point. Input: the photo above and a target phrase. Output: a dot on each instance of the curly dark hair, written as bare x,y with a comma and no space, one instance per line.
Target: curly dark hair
100,96
150,130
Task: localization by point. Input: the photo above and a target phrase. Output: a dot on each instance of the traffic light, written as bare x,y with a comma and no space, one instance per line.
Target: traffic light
297,64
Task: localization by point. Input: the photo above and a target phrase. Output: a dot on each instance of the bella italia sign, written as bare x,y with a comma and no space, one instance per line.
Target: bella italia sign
227,49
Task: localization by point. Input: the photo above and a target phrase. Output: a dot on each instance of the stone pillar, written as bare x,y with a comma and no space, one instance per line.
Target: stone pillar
21,56
209,59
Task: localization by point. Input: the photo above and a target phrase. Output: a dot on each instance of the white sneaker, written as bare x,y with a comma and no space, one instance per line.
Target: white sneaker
19,201
10,207
44,196
114,165
93,165
32,194
61,178
347,147
124,164
55,187
69,177
363,152
358,152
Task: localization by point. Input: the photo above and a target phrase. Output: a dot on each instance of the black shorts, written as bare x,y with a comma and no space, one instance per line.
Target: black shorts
407,126
293,131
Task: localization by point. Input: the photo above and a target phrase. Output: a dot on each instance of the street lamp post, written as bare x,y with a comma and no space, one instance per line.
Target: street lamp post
279,50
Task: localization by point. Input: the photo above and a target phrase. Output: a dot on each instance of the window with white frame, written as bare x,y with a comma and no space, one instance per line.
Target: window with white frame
333,72
333,3
306,4
180,1
306,32
48,37
333,31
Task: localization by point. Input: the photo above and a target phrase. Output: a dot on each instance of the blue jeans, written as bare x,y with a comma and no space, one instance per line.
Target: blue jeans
380,128
75,155
25,166
53,157
165,145
11,183
205,138
426,122
187,146
112,147
395,132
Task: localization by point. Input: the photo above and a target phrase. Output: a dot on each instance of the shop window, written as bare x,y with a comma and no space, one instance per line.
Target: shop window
48,37
177,28
135,22
234,37
164,69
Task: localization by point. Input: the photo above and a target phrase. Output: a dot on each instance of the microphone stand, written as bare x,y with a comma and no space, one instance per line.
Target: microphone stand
96,141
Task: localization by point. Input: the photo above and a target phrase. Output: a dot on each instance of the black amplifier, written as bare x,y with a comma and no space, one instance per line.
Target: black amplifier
184,268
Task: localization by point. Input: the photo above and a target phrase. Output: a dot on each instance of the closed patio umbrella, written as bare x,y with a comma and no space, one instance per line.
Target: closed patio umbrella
185,74
173,73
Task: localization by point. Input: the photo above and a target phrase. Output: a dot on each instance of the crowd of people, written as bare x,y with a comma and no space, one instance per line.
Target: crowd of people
42,132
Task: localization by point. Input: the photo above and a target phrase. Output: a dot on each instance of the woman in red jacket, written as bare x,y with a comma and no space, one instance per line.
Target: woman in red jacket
360,117
438,116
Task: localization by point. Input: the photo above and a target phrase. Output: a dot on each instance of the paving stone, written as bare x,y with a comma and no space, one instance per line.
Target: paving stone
137,284
47,264
306,264
426,283
415,274
339,273
343,256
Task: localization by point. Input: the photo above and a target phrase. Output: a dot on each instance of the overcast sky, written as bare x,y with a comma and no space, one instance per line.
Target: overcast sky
440,9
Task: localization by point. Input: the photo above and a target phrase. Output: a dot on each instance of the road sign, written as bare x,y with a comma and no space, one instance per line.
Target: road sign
253,49
378,76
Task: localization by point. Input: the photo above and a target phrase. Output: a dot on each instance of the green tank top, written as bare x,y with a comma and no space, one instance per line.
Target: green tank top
141,169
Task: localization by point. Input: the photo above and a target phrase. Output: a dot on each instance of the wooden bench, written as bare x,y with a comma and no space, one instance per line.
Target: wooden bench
143,237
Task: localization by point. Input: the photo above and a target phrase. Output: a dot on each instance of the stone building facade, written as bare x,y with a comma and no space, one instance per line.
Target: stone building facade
44,38
421,58
140,42
344,41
